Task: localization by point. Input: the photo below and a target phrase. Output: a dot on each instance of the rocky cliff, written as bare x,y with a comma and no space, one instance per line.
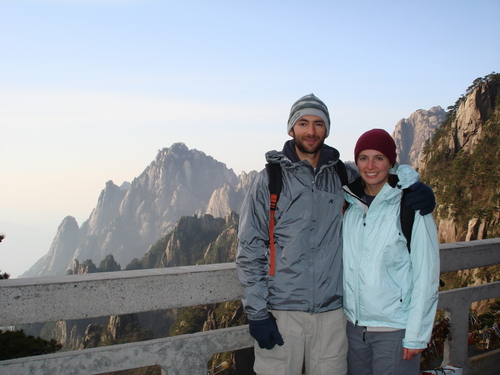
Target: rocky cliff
126,223
462,164
228,197
412,133
108,264
193,240
60,254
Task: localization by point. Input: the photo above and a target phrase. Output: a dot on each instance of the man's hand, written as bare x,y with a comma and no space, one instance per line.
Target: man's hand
410,353
266,332
421,197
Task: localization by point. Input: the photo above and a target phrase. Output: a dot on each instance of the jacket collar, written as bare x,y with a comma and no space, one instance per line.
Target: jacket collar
357,189
327,154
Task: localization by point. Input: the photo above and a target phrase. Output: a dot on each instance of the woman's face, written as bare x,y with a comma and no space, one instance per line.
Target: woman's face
374,170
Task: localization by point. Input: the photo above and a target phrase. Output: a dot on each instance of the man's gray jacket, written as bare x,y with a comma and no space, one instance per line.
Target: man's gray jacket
308,237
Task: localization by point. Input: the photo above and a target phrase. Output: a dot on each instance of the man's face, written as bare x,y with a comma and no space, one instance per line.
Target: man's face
309,133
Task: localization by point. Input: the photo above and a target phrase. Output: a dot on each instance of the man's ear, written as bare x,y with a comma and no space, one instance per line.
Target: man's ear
290,133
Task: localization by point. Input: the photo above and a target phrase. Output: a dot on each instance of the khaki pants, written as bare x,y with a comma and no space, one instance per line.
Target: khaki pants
316,343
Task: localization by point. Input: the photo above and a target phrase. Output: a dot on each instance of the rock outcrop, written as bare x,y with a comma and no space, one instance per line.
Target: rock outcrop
462,164
411,134
107,265
60,254
195,240
228,197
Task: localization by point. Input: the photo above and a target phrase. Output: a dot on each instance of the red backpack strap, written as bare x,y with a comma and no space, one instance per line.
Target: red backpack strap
275,184
272,250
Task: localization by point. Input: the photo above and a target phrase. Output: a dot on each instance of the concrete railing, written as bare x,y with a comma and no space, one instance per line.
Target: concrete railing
50,299
457,302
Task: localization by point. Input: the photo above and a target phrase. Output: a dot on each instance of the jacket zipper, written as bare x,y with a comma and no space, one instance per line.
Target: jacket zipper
312,307
312,255
358,314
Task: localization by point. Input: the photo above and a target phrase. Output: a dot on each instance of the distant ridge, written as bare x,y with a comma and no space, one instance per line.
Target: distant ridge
127,220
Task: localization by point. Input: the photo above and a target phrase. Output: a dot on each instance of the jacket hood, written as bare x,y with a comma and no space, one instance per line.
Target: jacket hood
289,155
407,175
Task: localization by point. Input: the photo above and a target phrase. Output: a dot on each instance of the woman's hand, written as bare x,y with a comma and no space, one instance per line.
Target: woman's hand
410,353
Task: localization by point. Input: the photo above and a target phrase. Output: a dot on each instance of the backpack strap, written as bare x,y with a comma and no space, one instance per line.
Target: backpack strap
407,217
341,172
275,185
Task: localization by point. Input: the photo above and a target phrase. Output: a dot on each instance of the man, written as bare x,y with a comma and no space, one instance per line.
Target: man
295,315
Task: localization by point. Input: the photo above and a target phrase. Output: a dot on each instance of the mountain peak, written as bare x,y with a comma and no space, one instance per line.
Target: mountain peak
127,222
411,134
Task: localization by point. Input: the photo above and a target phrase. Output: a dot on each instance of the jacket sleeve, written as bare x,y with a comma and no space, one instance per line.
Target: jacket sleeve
252,258
425,270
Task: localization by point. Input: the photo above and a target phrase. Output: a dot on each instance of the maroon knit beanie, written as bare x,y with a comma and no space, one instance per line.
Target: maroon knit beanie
376,139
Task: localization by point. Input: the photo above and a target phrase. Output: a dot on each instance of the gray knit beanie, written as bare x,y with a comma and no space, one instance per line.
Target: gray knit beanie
309,105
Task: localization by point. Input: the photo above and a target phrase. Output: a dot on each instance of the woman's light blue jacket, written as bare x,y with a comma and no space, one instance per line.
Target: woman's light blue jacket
384,284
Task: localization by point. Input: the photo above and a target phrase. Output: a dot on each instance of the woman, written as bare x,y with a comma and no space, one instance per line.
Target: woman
390,294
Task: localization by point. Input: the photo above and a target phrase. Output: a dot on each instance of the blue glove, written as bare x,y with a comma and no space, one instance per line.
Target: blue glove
421,197
266,332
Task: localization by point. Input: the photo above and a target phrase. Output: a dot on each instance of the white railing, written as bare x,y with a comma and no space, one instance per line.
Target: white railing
50,299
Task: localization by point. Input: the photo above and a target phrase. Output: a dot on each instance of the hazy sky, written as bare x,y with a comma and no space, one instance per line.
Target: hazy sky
91,90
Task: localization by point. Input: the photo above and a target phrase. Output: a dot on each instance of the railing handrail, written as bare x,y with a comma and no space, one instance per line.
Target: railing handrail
55,298
457,256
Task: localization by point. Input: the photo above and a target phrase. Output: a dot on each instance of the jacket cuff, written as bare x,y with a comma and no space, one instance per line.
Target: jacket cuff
414,344
259,316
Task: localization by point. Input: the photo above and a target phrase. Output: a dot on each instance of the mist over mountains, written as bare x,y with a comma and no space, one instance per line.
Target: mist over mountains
126,222
129,220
